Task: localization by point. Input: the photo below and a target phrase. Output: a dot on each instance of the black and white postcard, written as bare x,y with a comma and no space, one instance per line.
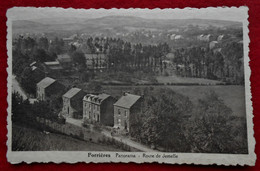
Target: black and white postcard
129,85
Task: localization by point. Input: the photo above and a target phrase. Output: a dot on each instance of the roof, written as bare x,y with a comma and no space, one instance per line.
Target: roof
33,63
72,92
52,63
55,67
34,68
46,82
170,56
96,98
127,101
64,58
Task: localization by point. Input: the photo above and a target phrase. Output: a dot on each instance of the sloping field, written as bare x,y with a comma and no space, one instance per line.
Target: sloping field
232,95
27,139
185,80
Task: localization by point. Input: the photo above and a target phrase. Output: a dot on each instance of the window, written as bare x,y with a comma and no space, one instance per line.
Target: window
119,121
97,108
119,112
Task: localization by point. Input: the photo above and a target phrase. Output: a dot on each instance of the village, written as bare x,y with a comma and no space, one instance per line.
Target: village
139,90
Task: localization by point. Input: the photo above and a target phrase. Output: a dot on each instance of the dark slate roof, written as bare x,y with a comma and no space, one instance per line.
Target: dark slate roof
127,101
46,82
72,92
64,58
96,98
103,96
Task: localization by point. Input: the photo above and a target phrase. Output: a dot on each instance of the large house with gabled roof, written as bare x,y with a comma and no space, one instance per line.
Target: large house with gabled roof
72,103
65,61
48,87
99,109
125,110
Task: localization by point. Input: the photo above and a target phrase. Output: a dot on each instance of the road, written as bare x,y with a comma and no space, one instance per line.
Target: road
122,139
17,88
129,142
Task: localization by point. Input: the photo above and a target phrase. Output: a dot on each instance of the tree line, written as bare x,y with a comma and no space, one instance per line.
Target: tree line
170,122
224,63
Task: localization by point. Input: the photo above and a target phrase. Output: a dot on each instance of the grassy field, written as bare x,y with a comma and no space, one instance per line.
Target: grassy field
28,139
232,95
185,80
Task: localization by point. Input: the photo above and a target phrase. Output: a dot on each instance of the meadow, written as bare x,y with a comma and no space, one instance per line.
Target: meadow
29,139
232,95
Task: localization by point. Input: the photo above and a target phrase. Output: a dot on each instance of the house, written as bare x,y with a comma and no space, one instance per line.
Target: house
99,109
95,61
213,44
205,38
126,107
48,87
65,61
37,74
52,69
72,103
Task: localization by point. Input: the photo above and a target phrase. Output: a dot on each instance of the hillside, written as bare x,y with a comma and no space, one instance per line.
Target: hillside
28,139
112,23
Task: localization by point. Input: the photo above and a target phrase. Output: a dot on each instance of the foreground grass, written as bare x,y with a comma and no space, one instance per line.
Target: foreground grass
28,139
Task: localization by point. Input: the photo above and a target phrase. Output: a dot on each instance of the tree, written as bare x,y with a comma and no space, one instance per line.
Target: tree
209,131
20,108
40,55
79,60
43,43
160,122
27,81
43,109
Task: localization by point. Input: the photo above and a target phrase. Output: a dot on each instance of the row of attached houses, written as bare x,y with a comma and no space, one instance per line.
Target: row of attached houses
106,110
99,109
102,108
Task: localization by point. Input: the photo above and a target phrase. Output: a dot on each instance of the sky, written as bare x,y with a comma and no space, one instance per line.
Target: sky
220,13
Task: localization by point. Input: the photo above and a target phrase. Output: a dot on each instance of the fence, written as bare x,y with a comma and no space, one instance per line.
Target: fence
71,130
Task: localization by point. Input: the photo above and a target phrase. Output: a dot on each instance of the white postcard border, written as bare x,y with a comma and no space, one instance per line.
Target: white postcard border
178,158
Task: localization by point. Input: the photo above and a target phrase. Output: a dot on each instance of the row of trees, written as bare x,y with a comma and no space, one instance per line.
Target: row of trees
24,112
30,49
122,55
170,122
224,63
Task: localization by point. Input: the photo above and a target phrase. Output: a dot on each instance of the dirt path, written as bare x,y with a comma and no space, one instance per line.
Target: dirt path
122,139
129,142
17,88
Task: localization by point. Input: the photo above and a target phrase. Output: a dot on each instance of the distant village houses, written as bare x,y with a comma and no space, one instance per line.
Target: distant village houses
72,103
99,109
47,88
37,73
126,107
65,62
95,61
53,69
